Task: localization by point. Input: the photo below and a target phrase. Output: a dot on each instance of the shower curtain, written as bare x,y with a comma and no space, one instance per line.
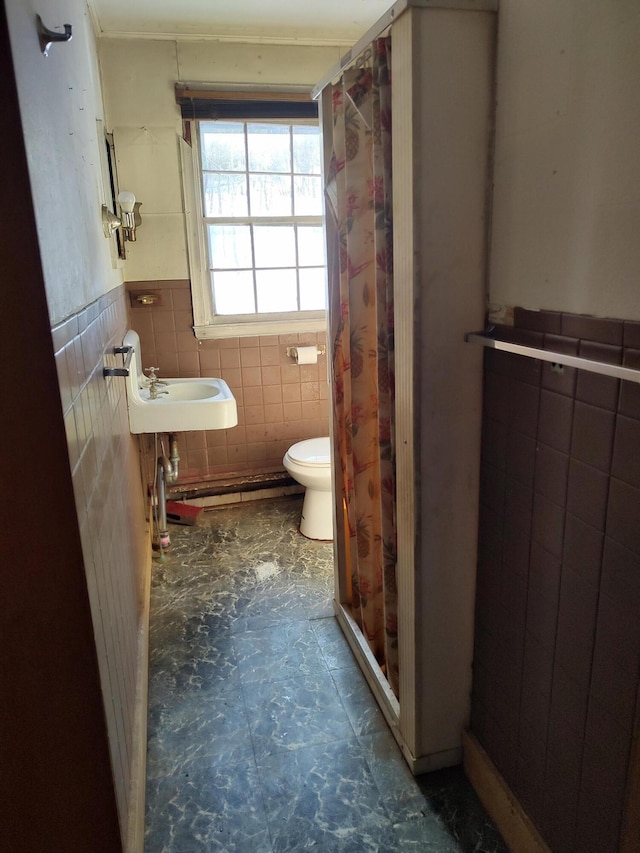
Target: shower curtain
359,229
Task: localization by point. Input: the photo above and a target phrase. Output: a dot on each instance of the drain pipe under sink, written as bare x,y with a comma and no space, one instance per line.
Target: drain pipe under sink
167,472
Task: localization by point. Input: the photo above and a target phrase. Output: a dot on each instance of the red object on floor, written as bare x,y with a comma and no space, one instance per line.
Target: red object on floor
178,513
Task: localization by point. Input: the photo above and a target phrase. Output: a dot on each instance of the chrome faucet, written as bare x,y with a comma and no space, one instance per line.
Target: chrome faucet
153,383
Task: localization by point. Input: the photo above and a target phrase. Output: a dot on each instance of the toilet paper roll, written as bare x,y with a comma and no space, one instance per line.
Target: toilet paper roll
305,355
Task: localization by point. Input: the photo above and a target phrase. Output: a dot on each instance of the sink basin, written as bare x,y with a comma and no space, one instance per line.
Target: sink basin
177,389
189,404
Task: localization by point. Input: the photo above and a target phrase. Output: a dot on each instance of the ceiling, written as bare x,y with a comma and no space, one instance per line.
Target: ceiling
340,22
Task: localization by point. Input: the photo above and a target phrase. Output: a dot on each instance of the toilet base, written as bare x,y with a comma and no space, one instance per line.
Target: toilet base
317,515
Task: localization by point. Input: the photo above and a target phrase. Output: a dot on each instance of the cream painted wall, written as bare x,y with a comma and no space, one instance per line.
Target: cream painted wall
60,102
138,81
566,207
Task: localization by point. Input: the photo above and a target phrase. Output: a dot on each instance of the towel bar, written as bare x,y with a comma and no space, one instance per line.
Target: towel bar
615,370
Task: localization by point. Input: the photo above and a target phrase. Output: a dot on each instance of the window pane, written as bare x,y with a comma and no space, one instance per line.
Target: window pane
310,246
269,148
306,150
276,290
275,245
222,145
230,246
257,179
233,292
270,195
308,196
312,289
225,195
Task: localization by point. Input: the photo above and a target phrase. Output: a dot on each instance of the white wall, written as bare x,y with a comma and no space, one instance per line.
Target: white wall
566,208
138,80
60,102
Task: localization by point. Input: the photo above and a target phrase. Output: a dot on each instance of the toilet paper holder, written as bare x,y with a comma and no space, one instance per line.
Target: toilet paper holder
292,352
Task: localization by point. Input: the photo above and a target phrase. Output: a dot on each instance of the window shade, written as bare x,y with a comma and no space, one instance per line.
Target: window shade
206,104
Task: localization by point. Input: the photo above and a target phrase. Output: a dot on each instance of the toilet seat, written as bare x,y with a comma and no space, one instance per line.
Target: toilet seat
313,452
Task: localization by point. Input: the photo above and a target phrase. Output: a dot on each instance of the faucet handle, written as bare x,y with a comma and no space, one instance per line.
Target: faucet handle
152,373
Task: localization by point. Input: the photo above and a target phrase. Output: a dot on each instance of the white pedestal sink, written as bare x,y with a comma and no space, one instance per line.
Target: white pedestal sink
181,405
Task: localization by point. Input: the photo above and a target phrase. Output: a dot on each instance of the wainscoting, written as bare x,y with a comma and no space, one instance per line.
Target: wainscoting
279,402
557,644
104,461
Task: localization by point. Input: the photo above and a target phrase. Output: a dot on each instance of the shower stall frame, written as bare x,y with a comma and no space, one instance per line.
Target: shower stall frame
443,57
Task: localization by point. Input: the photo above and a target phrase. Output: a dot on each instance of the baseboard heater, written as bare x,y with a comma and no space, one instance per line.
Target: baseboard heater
231,485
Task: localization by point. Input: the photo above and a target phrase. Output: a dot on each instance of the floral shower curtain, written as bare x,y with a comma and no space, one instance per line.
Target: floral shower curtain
359,226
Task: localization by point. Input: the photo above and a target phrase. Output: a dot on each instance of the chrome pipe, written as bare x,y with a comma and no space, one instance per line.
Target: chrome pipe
164,473
174,457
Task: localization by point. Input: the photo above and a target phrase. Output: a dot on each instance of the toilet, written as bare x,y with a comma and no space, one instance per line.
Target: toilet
309,462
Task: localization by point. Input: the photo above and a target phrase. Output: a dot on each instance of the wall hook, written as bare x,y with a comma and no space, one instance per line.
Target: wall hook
47,37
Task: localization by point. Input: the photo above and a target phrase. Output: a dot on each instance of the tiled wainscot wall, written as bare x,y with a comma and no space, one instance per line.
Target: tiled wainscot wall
557,650
279,402
103,456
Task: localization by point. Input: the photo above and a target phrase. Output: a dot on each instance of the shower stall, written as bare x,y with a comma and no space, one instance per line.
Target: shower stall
407,118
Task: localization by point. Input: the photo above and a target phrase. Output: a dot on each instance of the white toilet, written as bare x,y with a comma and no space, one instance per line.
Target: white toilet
309,462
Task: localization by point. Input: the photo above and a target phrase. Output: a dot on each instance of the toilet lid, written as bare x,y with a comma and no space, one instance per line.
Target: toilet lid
313,451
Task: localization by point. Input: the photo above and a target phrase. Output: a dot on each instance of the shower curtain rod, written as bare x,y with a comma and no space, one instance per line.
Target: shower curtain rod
601,367
385,22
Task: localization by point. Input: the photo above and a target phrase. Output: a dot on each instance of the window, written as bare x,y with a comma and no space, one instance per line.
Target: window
257,242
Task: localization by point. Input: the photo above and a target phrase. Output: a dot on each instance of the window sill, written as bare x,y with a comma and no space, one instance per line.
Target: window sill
260,327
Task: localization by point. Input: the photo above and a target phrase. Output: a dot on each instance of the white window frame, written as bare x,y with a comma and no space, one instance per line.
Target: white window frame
206,323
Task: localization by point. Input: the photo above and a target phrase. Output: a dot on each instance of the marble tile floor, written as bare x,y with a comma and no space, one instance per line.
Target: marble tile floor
263,735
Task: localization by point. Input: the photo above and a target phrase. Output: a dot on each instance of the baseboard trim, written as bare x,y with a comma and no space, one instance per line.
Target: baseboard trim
230,485
515,826
135,831
235,498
